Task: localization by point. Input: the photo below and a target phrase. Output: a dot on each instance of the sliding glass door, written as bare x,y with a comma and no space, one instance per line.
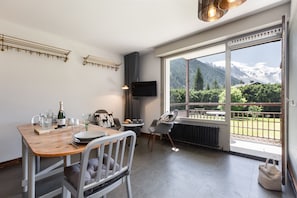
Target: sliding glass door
256,99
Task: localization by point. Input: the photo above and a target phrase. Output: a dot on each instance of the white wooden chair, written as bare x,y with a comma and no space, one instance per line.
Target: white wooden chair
95,177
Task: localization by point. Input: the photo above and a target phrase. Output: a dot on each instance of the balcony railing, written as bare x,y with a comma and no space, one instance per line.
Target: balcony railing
201,113
262,127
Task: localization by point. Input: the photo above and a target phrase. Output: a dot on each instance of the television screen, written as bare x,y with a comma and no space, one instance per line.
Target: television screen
144,88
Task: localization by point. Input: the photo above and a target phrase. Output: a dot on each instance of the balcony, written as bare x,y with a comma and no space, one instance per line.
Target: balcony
256,133
252,133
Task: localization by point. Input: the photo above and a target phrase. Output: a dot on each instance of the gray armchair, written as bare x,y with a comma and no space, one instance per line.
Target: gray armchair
163,126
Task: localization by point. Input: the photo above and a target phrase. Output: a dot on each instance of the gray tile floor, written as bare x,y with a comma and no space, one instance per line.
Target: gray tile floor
192,172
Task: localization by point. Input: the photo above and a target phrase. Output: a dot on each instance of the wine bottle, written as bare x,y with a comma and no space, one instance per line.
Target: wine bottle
61,118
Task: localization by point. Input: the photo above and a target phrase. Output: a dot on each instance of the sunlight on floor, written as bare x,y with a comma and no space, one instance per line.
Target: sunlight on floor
256,149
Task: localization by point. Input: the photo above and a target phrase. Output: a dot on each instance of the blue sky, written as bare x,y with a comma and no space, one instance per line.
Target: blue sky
270,53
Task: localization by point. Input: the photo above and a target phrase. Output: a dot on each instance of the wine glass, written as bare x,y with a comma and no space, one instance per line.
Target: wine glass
86,120
75,127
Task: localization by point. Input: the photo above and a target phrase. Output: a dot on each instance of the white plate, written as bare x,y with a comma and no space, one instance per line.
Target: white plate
87,135
78,141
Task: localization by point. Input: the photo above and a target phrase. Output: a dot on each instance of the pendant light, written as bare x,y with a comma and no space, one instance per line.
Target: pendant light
125,87
211,10
228,4
208,10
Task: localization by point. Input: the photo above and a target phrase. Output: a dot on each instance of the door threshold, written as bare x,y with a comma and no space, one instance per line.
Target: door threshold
256,149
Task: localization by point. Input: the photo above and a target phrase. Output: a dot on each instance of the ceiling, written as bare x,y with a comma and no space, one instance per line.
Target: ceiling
120,26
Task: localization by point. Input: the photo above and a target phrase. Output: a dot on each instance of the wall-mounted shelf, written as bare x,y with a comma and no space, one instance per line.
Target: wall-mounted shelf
9,42
93,60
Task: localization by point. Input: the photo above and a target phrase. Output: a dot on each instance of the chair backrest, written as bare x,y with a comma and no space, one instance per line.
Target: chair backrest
166,122
113,161
102,118
101,111
175,113
169,117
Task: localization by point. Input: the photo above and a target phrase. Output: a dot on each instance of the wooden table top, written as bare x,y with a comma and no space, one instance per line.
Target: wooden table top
56,143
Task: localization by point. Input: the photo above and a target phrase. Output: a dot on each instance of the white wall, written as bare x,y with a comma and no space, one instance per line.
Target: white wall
150,107
292,126
30,84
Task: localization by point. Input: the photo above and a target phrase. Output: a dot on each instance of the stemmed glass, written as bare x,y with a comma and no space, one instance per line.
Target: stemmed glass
74,122
86,120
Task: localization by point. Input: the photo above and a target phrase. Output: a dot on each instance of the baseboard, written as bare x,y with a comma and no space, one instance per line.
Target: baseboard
9,163
292,179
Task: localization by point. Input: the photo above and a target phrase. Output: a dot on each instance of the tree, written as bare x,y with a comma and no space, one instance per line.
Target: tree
177,95
236,97
254,110
263,93
198,80
216,84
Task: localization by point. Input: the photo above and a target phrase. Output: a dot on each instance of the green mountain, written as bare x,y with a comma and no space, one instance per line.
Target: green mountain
209,73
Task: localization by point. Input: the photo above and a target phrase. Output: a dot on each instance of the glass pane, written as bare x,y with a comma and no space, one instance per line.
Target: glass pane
256,91
257,74
177,83
206,82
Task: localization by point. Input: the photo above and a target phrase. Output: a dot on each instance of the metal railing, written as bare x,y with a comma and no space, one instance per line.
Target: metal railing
263,127
257,126
201,113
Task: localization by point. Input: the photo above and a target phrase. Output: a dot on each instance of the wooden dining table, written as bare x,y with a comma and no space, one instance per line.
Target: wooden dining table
53,143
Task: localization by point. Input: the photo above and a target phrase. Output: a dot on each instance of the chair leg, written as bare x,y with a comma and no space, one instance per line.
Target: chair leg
152,136
153,141
65,192
38,164
128,184
172,143
149,139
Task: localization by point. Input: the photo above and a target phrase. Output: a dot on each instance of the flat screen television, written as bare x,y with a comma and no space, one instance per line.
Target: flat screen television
144,88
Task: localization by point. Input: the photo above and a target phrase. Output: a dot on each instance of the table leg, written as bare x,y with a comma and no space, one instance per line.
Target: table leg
31,174
135,129
24,166
67,162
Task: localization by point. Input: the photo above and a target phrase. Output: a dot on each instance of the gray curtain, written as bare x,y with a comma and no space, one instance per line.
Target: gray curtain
132,104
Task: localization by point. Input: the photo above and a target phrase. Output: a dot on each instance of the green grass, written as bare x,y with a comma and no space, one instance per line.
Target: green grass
257,127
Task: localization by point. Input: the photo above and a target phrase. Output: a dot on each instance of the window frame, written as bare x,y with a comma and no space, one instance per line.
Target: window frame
262,36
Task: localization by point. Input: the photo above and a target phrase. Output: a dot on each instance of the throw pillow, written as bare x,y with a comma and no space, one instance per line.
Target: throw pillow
104,120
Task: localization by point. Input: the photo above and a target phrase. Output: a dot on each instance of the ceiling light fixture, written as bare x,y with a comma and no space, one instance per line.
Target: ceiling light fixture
212,10
208,10
228,4
125,87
